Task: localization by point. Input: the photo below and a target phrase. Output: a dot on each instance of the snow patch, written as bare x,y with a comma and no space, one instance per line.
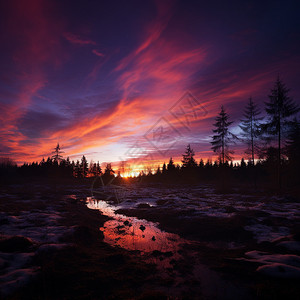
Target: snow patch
290,245
267,233
280,271
275,265
51,247
16,279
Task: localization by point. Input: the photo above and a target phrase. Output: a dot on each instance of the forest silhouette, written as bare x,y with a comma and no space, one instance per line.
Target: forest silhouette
272,153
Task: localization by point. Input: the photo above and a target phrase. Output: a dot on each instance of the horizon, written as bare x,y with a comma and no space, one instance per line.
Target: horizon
101,79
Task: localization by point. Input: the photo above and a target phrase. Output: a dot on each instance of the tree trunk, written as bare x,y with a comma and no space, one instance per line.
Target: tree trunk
223,154
279,155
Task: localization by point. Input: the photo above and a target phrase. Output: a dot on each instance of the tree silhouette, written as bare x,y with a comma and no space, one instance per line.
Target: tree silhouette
293,142
84,166
56,154
223,137
108,175
279,109
201,164
171,167
98,169
188,160
158,172
293,151
251,129
76,171
243,164
93,169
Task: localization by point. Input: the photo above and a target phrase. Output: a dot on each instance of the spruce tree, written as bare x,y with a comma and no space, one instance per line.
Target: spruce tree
158,172
223,137
171,166
251,129
279,109
99,170
56,154
84,166
164,168
293,145
201,164
188,160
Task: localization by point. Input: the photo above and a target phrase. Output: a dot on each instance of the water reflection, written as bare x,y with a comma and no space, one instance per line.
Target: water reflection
137,234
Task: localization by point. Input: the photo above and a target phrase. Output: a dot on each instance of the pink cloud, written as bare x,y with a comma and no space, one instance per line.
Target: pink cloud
96,52
36,38
75,39
153,31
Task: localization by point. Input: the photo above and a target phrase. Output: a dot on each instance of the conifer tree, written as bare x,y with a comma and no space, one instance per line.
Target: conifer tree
251,129
201,164
77,172
171,167
98,169
56,154
84,166
293,145
279,110
158,172
188,160
223,137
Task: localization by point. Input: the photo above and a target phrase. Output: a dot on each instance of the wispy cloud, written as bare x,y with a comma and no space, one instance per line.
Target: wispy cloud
93,87
75,39
98,53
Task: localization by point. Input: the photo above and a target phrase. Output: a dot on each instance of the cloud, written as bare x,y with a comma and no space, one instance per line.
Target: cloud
96,52
55,92
75,39
32,44
37,124
153,32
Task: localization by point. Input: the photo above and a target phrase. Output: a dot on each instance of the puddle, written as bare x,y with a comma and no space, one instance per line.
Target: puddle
135,234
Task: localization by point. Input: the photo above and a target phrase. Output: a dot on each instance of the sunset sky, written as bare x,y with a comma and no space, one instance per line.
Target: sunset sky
104,78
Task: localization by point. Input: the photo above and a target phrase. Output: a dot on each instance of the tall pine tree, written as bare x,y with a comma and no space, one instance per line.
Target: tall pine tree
279,110
84,166
251,129
57,154
293,145
223,137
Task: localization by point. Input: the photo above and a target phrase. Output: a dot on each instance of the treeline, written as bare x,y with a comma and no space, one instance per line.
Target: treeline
53,167
272,152
262,174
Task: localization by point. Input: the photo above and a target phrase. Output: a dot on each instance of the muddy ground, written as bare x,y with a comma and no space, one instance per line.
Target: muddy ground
51,246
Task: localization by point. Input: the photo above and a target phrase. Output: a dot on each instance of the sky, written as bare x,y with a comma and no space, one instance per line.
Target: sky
137,80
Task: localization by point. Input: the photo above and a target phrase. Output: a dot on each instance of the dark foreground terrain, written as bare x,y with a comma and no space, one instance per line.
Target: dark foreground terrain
154,242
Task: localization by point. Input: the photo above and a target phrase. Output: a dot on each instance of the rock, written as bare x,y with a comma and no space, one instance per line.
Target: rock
162,201
16,244
126,223
143,205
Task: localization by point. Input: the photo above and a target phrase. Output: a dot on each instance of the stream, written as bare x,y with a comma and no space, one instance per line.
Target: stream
135,234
